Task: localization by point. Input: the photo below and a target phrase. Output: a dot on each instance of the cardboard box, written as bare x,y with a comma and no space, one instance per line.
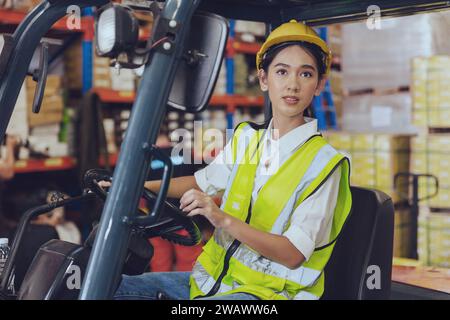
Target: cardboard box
339,140
434,238
442,199
52,86
430,94
44,118
73,65
336,82
439,118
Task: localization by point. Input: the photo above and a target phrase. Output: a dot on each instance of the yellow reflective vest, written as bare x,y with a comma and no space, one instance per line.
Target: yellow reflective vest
227,266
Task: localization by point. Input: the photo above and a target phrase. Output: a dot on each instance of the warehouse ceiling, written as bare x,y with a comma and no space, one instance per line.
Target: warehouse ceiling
317,12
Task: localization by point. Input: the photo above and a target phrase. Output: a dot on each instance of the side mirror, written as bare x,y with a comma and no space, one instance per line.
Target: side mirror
199,68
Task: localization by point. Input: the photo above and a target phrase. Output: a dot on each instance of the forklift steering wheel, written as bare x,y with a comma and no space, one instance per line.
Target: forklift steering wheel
172,219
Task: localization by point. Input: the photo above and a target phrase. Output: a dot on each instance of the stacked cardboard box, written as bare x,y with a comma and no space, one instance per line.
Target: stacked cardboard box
380,113
101,72
430,91
375,159
18,124
104,76
337,91
245,76
335,39
336,79
44,139
122,80
431,155
381,58
73,65
221,84
52,104
434,238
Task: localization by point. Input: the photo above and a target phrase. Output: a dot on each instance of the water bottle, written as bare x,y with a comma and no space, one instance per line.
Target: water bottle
4,253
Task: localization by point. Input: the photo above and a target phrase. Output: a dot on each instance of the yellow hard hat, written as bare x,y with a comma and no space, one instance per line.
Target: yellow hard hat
293,31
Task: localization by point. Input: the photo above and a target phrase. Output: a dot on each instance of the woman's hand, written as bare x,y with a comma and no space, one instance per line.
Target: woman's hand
195,202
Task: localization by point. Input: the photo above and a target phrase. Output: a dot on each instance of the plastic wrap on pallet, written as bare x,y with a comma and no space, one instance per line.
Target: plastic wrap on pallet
381,58
385,113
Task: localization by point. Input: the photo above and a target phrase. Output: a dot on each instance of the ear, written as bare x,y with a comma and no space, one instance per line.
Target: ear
262,76
320,86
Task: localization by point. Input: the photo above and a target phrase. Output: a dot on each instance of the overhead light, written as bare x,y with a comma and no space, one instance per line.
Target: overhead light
116,30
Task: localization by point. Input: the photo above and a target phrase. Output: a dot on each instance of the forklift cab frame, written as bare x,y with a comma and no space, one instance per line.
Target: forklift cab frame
150,105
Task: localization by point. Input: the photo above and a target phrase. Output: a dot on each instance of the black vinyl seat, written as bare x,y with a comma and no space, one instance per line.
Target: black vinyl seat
363,250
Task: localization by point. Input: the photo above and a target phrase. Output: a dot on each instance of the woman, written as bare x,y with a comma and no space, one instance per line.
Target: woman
286,192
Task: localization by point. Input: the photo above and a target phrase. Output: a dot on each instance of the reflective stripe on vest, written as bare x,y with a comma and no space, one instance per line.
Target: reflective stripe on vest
297,178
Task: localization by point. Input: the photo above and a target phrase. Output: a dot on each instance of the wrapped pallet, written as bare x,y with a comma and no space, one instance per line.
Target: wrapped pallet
383,113
381,58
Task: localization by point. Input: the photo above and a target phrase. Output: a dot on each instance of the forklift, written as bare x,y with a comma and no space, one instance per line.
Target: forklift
181,62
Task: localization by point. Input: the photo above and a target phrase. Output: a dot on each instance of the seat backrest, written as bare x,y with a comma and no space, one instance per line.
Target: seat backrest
361,264
34,237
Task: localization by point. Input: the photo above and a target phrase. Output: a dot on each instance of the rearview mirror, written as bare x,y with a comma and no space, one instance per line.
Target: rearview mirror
199,68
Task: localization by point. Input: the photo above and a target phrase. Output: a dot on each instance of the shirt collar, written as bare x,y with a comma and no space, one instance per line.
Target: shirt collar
296,137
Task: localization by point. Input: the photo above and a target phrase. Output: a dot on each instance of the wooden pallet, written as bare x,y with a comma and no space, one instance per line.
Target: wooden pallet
439,130
375,91
439,210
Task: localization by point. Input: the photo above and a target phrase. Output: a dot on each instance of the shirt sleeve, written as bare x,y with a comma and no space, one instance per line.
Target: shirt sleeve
312,220
214,177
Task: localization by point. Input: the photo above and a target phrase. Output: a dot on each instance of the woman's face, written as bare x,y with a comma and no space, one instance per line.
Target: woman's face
292,81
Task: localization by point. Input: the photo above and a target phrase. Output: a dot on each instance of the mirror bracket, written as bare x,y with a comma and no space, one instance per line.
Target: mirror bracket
166,29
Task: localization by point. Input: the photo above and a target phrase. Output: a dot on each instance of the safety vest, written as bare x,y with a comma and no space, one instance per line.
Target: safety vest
227,266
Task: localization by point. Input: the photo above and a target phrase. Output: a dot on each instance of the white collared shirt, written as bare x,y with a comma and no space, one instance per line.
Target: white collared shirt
312,220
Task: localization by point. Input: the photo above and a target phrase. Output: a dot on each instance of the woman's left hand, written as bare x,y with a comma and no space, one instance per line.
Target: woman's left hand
195,202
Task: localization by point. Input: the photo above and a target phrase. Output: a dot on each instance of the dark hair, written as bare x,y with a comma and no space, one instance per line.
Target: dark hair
313,49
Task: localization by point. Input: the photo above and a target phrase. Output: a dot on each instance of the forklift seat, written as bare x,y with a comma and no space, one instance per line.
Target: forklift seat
360,266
